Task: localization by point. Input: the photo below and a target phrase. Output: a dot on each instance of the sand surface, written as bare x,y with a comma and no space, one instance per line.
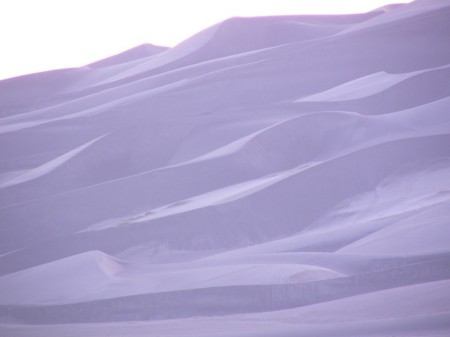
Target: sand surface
276,176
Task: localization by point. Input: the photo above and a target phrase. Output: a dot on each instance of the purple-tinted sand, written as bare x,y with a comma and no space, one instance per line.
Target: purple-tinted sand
271,176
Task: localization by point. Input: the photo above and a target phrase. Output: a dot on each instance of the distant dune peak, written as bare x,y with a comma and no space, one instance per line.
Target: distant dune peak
136,53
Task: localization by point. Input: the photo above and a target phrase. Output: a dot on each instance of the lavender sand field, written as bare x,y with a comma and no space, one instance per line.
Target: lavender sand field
268,177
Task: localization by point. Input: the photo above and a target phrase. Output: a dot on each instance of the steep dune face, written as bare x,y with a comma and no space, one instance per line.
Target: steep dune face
267,172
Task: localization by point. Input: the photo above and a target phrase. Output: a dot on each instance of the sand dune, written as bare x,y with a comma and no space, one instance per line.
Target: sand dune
273,176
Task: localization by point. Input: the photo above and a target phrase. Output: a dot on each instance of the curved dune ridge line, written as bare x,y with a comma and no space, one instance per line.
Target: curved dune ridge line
363,87
133,54
47,167
217,197
273,176
76,275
